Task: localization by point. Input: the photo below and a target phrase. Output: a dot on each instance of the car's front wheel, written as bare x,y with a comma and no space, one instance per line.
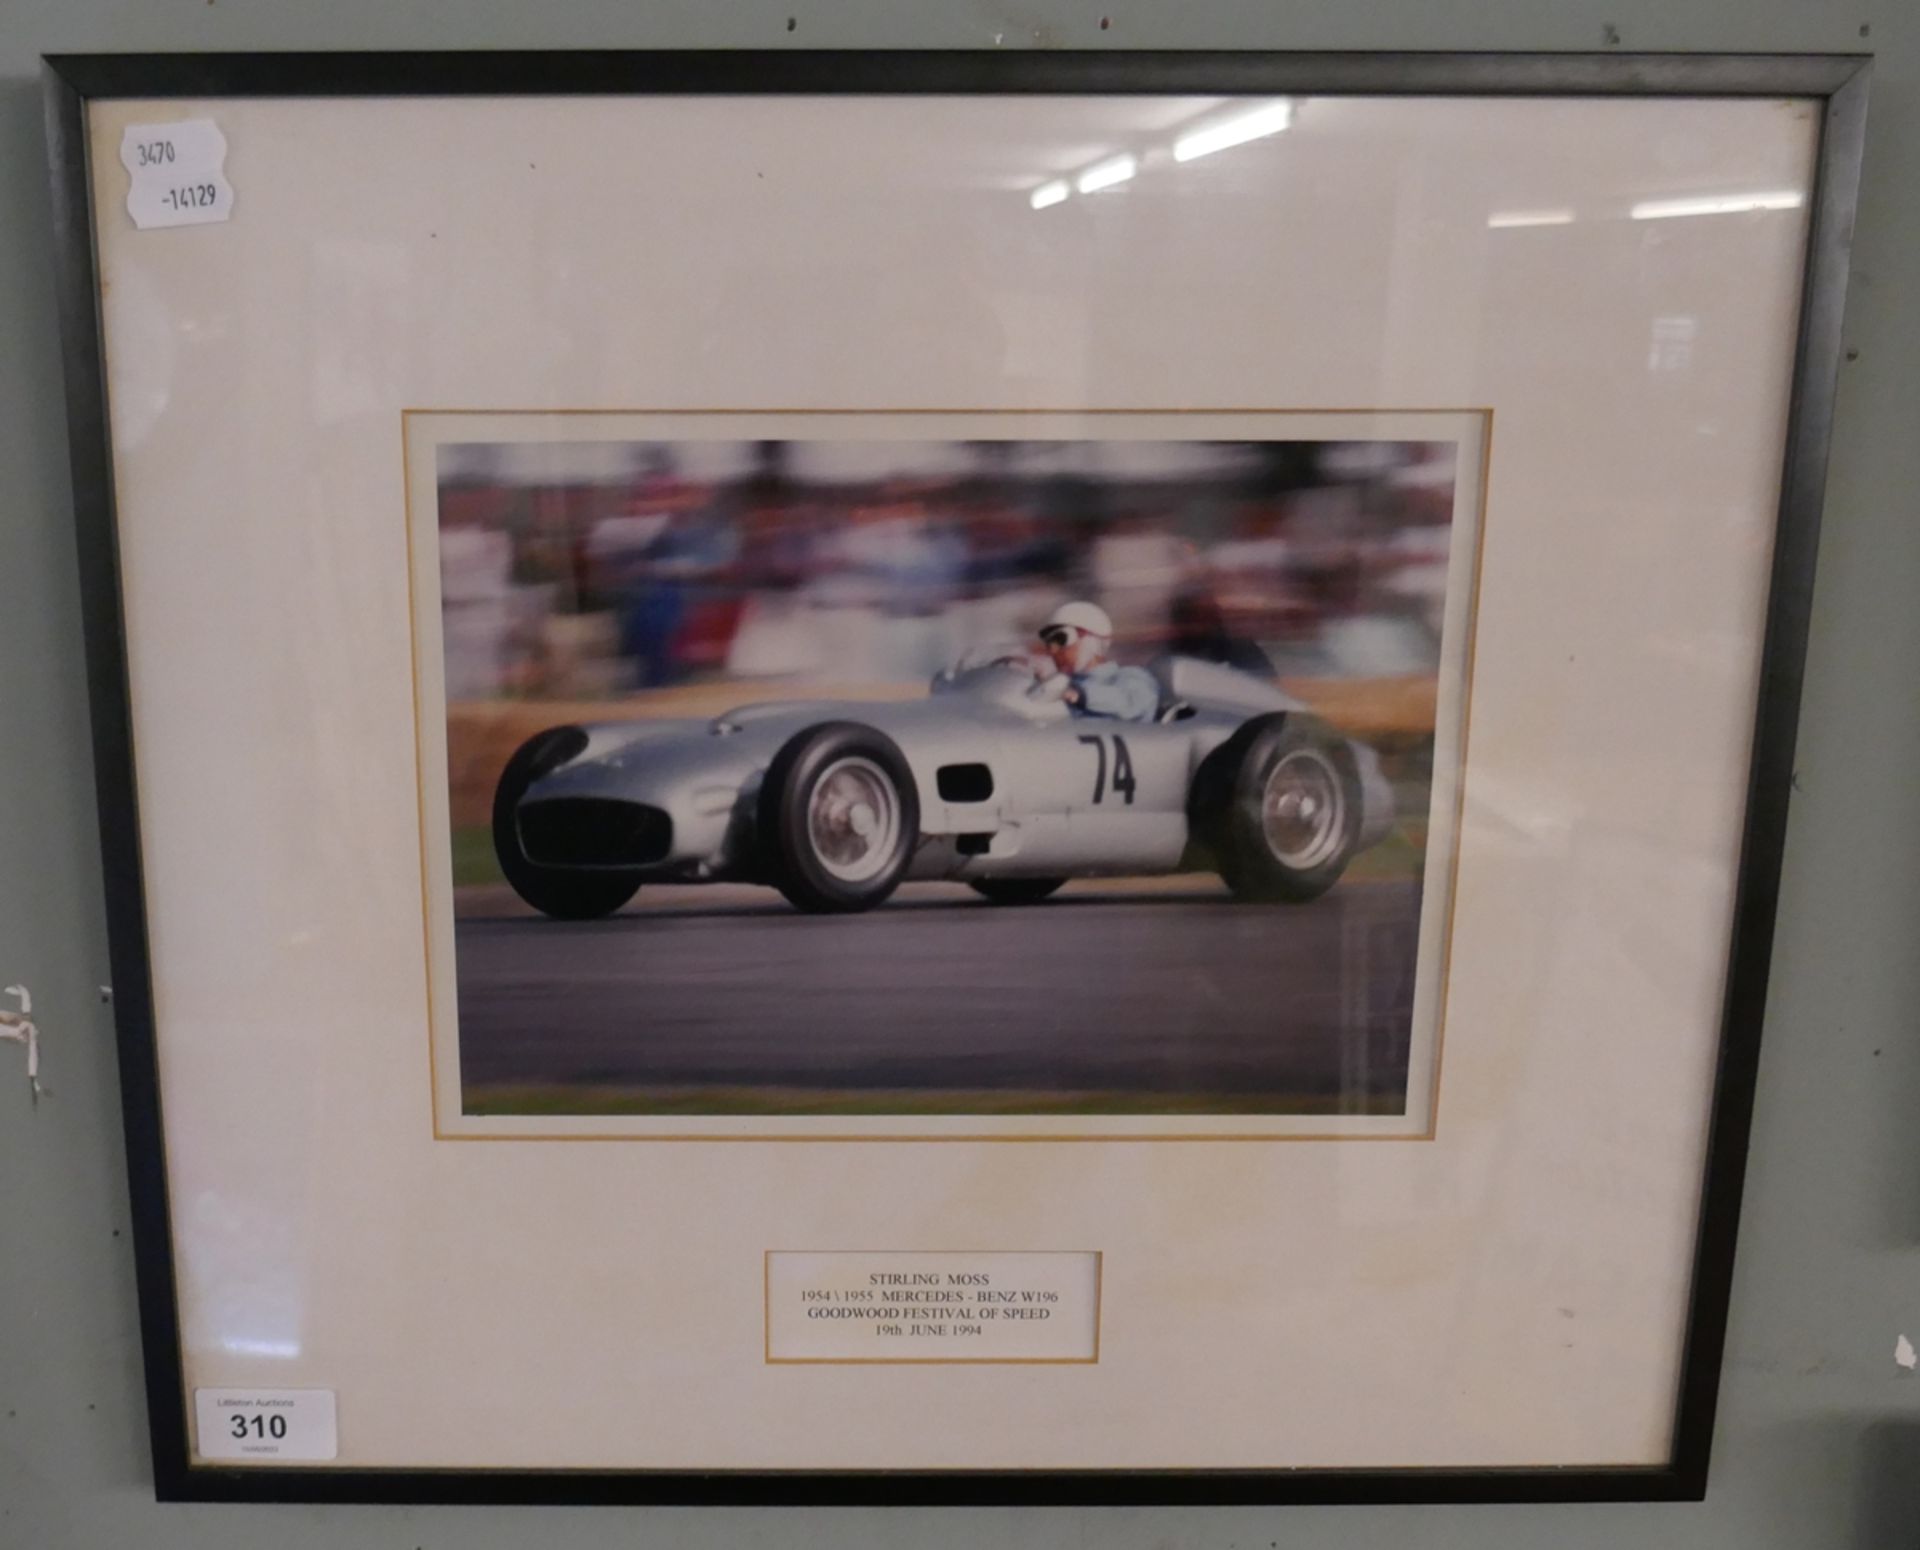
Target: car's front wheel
565,893
1282,812
838,818
1016,890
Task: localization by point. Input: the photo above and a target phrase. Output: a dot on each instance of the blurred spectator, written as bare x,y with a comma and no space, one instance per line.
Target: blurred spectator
475,610
676,581
1200,630
579,570
1138,566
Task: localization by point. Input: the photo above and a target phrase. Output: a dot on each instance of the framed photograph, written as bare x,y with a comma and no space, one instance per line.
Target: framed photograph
944,777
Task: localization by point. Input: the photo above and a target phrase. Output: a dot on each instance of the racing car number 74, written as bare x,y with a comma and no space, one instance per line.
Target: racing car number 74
1123,780
836,803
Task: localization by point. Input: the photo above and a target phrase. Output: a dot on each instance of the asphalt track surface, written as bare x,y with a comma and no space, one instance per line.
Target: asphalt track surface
1179,997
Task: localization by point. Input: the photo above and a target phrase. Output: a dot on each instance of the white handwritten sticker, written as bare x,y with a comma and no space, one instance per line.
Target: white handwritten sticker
178,173
260,1425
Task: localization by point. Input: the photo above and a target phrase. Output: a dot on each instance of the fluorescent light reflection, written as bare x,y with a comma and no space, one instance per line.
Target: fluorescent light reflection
1718,204
1049,194
240,1345
1256,125
1507,220
1107,173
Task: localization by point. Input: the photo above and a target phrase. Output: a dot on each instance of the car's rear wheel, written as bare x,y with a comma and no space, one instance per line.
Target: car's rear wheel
838,818
1016,890
1281,809
565,893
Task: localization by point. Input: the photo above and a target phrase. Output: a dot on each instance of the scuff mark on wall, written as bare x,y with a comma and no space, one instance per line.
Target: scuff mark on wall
1903,1354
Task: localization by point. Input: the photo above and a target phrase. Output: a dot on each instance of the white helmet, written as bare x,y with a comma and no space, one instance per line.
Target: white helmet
1087,618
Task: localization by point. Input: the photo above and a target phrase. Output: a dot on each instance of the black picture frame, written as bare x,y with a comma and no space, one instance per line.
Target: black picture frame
1838,83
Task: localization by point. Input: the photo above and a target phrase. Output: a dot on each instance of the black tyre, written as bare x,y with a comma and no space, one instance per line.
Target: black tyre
1278,804
838,818
1016,890
565,893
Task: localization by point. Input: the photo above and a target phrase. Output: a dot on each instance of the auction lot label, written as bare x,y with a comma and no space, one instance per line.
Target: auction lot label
178,172
254,1426
911,1306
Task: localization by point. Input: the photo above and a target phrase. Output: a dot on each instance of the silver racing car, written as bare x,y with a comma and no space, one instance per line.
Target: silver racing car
989,781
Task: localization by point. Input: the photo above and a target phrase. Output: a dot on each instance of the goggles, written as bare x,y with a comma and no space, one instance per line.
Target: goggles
1059,635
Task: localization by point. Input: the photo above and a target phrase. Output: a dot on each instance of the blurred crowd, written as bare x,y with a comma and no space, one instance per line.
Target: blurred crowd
598,570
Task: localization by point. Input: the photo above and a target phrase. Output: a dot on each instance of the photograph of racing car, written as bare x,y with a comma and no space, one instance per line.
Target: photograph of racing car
1002,780
916,777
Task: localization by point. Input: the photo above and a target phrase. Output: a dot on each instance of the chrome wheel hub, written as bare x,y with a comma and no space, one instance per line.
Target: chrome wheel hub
1303,810
853,819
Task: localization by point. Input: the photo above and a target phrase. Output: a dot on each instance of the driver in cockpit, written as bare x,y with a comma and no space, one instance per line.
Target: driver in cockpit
1077,639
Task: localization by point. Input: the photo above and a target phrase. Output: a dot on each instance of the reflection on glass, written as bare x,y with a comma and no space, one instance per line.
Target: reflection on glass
1717,204
1105,174
1257,125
